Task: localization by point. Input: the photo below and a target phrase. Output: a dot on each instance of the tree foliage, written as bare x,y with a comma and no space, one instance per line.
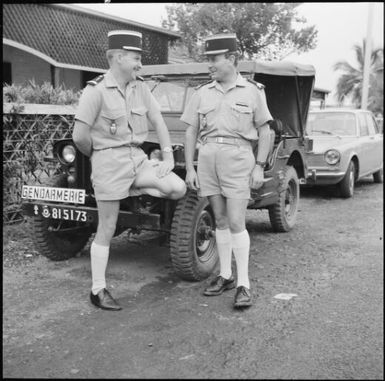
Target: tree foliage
351,79
264,30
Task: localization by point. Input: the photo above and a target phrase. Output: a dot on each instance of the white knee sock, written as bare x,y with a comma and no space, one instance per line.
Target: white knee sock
99,259
223,238
241,248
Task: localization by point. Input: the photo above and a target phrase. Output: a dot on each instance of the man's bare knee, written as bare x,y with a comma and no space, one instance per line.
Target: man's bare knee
221,222
237,226
178,190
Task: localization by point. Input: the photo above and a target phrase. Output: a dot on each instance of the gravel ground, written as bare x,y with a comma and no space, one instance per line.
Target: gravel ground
18,247
333,329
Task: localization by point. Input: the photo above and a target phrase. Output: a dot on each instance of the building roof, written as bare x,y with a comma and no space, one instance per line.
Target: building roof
74,37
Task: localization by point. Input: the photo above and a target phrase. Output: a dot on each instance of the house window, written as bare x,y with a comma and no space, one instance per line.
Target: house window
7,73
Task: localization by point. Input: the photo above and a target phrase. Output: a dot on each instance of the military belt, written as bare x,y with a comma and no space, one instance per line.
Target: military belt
132,144
226,140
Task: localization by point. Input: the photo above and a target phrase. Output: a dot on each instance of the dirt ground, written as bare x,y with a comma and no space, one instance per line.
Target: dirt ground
332,329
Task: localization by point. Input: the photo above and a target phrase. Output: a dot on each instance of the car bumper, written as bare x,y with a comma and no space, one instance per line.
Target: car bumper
322,176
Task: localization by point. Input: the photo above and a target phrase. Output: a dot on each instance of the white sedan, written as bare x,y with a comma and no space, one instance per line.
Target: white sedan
347,145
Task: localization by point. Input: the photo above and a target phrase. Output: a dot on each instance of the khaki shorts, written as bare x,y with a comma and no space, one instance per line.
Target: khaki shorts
114,170
225,169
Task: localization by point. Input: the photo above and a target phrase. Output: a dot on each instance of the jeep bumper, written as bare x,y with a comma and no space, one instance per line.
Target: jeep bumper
89,215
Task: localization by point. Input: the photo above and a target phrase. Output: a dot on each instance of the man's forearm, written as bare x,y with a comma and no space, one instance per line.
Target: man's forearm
189,148
263,143
163,136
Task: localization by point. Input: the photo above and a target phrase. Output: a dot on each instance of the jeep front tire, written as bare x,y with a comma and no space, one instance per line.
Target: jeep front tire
56,239
283,213
193,249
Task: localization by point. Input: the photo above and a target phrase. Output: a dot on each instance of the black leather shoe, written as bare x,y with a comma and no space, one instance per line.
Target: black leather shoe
104,300
242,297
218,285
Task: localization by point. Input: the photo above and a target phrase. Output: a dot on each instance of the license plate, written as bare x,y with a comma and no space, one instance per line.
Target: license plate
31,192
59,213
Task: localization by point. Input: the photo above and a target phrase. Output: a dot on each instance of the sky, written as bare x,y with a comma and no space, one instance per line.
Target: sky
339,25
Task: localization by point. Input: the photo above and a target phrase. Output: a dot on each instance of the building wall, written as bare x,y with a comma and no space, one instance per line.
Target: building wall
71,79
26,66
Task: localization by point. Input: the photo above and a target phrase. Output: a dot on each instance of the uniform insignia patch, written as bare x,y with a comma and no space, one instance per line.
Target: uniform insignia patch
259,85
202,84
96,80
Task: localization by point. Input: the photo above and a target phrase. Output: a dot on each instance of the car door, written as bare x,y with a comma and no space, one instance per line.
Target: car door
364,145
375,141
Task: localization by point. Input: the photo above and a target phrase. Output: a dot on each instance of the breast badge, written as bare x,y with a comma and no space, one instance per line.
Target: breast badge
113,128
204,122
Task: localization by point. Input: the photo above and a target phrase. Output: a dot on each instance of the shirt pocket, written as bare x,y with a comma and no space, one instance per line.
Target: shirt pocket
206,116
114,122
242,116
139,119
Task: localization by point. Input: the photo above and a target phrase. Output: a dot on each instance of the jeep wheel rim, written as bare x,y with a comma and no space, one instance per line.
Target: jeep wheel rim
204,240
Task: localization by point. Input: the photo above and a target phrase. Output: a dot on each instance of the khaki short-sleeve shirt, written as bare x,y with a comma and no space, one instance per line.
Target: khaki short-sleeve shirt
238,112
116,117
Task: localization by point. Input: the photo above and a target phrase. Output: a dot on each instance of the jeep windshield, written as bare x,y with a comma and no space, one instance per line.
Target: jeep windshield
170,95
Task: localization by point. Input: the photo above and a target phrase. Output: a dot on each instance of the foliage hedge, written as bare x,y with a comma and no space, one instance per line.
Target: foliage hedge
24,146
40,94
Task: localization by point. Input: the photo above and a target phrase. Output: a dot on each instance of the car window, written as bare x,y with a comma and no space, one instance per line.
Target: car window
170,95
332,123
371,124
364,131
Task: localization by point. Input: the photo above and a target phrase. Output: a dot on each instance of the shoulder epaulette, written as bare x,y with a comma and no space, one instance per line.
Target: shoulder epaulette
96,80
259,85
140,78
202,84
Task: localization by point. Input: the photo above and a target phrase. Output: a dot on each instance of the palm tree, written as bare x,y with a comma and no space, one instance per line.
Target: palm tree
350,82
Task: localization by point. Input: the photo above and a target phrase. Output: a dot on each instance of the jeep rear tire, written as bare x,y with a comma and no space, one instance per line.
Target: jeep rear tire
193,249
346,185
53,243
283,214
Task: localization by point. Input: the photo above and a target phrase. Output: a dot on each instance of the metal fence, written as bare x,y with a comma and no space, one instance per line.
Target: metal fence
29,132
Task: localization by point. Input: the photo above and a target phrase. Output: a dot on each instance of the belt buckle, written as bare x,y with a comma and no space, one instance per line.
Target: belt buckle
220,139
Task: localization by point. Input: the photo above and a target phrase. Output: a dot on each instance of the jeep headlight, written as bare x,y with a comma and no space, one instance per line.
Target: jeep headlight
69,153
332,156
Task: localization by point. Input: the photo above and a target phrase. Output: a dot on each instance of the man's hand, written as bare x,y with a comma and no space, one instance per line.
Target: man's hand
257,177
192,179
165,167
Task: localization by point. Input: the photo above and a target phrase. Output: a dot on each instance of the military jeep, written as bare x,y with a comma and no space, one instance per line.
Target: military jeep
64,210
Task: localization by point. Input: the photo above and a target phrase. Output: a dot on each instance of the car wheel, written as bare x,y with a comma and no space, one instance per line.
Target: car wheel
56,239
346,185
283,214
193,249
378,176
